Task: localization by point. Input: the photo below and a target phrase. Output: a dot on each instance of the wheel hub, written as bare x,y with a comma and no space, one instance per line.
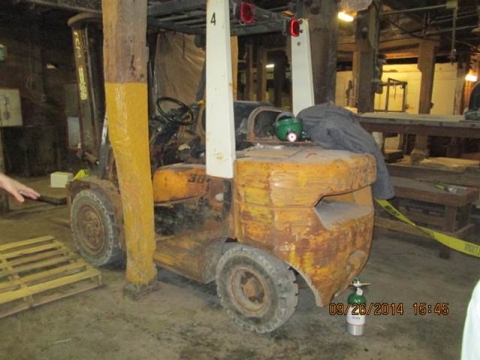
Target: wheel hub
248,291
91,229
252,288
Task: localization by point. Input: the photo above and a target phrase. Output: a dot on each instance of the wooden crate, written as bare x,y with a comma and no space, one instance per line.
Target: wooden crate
41,270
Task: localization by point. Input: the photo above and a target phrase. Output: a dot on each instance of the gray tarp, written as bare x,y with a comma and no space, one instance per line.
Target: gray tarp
333,127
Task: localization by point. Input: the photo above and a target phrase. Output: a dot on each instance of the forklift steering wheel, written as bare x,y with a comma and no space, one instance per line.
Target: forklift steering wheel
182,115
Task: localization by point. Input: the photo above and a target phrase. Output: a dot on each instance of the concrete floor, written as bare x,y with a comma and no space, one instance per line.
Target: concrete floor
184,320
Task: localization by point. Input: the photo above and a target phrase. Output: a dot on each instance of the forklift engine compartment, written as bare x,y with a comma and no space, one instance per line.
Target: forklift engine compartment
290,209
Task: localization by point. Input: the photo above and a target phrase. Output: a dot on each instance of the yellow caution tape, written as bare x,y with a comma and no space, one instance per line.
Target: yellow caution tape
81,174
447,240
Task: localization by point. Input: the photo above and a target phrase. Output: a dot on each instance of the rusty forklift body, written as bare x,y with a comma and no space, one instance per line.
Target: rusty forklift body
289,210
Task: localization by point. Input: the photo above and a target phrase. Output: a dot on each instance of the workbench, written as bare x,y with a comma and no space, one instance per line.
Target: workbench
425,204
420,124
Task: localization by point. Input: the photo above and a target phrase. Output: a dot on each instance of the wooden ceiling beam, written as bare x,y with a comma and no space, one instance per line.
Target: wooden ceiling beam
388,46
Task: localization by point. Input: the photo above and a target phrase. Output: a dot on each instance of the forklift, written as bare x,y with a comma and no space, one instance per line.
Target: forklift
243,208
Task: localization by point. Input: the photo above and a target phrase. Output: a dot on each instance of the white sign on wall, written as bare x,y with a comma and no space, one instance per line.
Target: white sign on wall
10,108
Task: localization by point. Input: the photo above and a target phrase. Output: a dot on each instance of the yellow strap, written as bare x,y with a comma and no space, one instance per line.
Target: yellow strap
447,240
81,174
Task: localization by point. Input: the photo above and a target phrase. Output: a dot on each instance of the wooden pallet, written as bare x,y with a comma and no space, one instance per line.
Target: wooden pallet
41,270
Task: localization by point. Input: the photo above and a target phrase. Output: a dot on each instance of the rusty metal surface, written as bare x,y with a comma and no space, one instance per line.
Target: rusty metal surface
248,291
86,34
192,219
275,199
261,124
193,254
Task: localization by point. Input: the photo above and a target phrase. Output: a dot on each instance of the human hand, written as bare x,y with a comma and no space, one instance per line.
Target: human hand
17,189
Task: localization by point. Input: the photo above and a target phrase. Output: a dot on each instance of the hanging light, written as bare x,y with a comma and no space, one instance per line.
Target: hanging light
344,16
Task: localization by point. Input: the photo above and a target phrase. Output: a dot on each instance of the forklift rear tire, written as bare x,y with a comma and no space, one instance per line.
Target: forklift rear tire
257,290
94,229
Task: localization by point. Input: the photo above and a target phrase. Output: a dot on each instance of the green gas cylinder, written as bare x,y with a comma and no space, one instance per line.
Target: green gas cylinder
356,316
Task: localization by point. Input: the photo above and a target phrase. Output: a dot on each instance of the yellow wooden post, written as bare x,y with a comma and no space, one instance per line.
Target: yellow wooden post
125,67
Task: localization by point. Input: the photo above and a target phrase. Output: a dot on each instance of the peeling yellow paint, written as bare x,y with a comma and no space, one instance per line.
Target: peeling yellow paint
178,182
128,130
275,205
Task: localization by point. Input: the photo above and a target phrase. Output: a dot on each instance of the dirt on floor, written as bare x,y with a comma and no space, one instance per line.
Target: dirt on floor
184,319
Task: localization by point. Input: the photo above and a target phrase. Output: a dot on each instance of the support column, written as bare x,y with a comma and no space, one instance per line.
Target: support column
3,194
249,89
426,65
364,59
125,67
462,70
279,78
261,73
322,15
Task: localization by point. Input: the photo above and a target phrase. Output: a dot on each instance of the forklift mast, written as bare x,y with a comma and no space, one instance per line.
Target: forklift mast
87,45
220,139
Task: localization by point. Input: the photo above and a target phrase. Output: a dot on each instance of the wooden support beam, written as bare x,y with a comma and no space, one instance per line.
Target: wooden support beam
322,15
426,65
387,46
365,59
125,67
279,79
261,73
3,194
249,90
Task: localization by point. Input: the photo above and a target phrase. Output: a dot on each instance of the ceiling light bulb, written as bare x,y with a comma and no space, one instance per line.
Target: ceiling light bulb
342,15
270,66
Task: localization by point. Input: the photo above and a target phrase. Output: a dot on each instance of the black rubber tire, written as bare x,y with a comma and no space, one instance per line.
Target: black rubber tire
97,239
270,277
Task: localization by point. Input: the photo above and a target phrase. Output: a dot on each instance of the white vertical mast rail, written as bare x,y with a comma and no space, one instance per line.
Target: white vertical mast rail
302,74
220,137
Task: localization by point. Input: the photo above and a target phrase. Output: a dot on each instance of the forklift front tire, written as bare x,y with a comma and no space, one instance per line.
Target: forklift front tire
257,290
95,231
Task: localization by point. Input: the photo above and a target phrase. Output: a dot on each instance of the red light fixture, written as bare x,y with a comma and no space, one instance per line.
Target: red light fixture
246,13
294,27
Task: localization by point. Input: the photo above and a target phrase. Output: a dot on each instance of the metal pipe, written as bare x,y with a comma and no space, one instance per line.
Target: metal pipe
94,9
429,33
446,20
414,10
453,51
462,12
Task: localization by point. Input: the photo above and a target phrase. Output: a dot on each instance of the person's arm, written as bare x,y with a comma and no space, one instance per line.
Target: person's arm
17,189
